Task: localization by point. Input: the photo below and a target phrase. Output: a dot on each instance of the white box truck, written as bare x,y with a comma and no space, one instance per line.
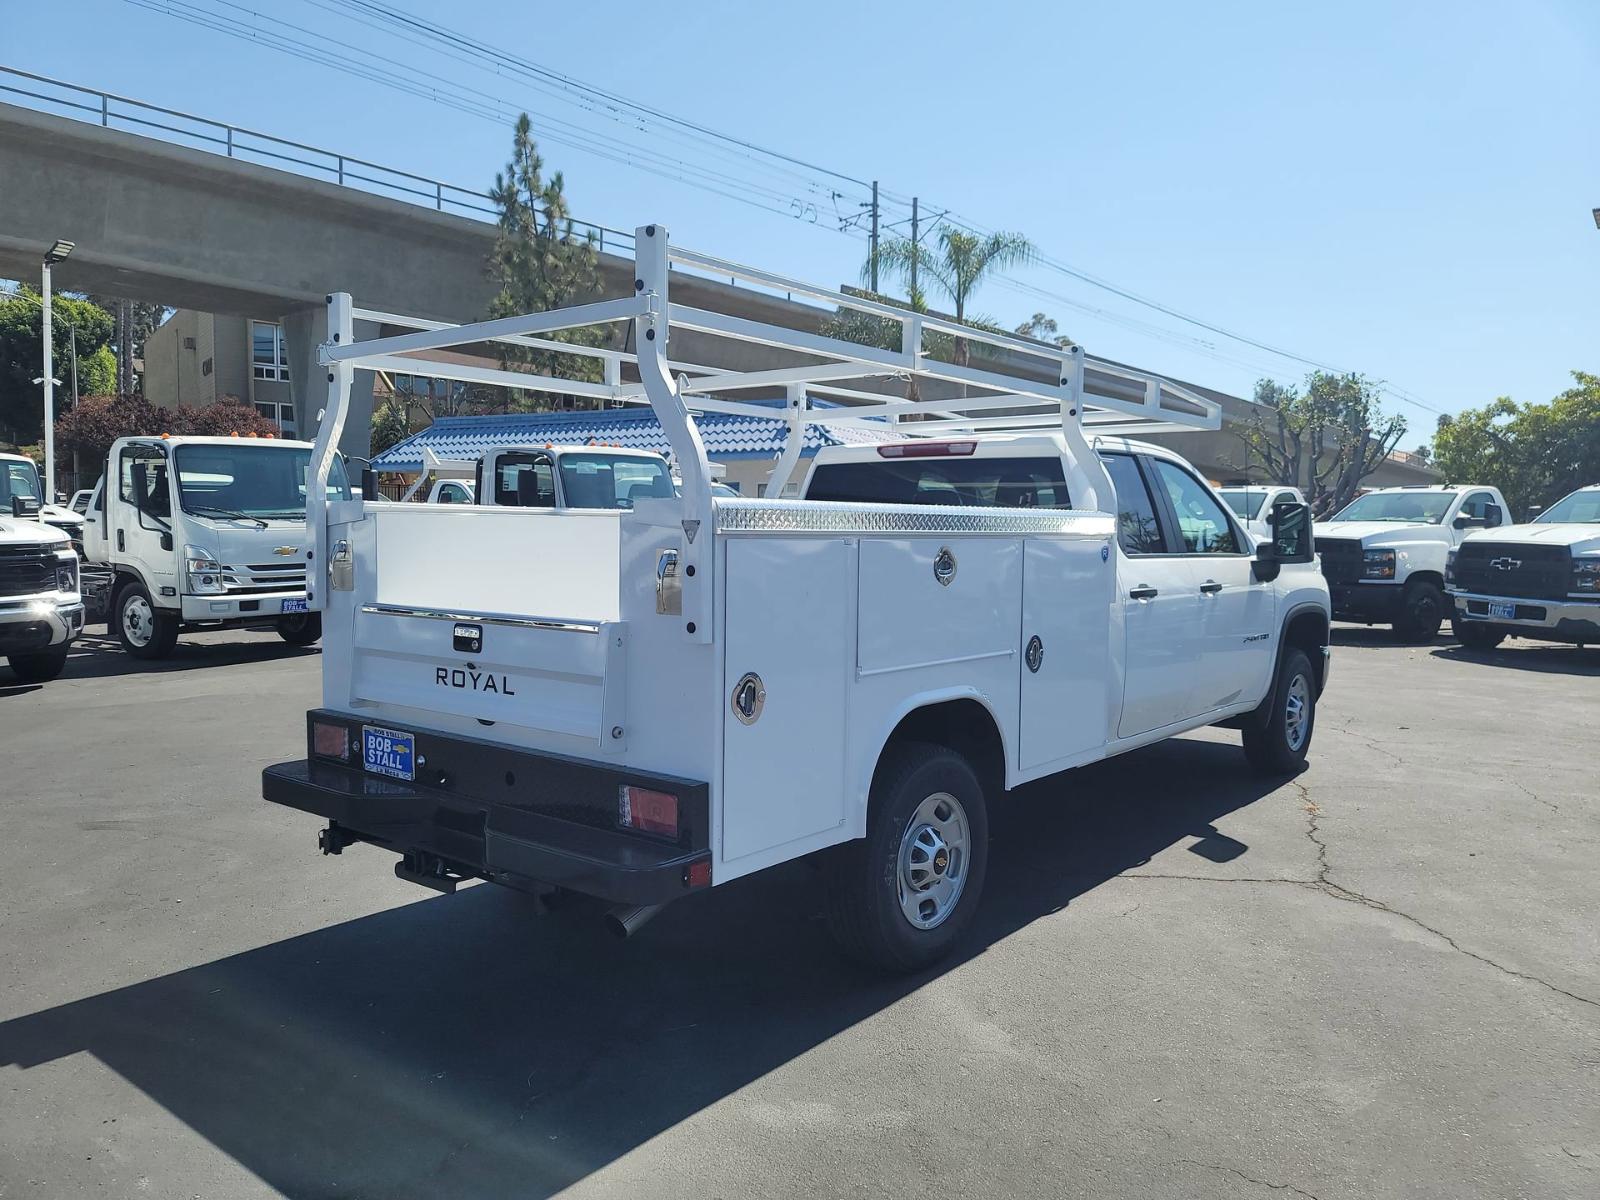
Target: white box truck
640,703
189,533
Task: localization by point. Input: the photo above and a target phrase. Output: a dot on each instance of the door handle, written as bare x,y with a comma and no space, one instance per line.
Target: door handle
1143,592
121,544
1210,587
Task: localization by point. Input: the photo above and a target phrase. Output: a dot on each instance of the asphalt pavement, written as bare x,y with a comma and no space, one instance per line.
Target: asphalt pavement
1379,979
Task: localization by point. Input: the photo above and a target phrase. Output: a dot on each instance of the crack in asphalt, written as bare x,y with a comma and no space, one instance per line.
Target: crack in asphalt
1533,795
1324,883
1266,1183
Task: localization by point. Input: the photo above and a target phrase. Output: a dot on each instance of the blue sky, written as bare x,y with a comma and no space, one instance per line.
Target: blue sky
1399,189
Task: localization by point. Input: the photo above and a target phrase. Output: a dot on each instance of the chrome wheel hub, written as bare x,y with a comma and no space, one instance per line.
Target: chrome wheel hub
933,861
1297,712
138,621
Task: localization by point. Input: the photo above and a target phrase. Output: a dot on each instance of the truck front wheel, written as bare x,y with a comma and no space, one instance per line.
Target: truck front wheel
41,667
1278,745
144,630
1421,611
901,897
300,629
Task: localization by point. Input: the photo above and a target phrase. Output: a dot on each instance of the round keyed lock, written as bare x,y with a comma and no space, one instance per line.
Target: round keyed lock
749,697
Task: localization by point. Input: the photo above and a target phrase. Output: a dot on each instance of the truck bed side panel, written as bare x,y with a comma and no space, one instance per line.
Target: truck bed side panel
790,620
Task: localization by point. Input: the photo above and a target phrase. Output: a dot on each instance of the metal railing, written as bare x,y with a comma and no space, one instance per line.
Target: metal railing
44,94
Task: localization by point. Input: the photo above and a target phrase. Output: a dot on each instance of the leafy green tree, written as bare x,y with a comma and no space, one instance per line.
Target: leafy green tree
956,265
1534,453
1325,439
539,261
22,355
89,429
1043,328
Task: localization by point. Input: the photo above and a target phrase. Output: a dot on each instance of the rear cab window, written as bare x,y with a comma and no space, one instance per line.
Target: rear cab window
964,482
1138,529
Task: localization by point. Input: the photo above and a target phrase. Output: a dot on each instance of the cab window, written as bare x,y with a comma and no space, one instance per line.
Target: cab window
508,471
956,481
1138,530
155,499
1202,522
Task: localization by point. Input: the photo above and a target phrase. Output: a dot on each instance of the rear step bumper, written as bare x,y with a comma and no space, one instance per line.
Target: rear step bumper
504,842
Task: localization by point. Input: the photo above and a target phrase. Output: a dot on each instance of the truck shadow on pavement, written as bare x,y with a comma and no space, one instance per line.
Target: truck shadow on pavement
101,656
1548,658
463,1046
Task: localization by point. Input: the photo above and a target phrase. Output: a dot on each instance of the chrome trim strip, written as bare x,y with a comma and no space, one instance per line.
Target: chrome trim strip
390,610
822,516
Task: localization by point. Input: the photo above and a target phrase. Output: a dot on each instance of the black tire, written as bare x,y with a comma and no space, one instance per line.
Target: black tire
862,879
1422,611
144,630
1279,744
300,629
41,667
1475,635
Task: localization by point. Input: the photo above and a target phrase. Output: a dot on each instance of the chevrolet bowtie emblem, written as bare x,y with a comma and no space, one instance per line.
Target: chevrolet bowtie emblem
284,551
1505,564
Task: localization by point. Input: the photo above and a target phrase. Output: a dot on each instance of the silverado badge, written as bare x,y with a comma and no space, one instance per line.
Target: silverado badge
284,551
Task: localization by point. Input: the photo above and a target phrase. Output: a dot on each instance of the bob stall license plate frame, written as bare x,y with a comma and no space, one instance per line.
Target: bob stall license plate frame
1505,612
294,606
390,752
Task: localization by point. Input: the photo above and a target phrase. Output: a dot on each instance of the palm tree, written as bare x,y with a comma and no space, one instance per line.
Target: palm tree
957,267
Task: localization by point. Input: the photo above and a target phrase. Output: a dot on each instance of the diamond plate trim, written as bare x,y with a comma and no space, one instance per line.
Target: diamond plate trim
818,516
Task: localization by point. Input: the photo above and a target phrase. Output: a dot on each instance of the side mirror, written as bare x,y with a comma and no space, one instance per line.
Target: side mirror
1466,522
1493,517
1290,541
24,507
369,484
141,484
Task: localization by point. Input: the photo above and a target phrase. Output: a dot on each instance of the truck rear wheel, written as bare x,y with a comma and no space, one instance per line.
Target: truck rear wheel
1421,611
300,629
144,630
41,667
901,897
1475,635
1278,746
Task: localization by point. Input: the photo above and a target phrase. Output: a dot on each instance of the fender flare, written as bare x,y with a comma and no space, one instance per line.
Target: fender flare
1266,705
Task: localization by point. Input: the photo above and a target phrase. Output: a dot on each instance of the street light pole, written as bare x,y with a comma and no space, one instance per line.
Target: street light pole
56,253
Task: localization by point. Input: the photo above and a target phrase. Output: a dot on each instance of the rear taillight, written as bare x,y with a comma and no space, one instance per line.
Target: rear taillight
330,741
647,810
925,449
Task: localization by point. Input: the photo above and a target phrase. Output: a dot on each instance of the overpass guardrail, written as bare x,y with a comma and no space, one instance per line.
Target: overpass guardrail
59,98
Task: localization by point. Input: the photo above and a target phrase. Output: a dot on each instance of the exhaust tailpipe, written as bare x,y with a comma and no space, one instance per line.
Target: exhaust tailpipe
625,920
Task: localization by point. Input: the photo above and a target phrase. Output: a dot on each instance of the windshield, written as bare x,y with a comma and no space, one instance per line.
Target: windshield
17,479
612,481
1580,508
1409,507
259,481
1245,502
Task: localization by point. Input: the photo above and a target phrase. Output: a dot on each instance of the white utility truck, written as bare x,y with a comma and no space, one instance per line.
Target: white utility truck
1540,580
204,533
41,611
1253,504
20,477
637,703
1384,553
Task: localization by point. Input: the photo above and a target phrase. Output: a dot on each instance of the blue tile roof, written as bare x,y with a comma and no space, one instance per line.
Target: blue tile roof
725,436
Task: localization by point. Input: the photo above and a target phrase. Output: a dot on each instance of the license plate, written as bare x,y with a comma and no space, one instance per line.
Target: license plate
1506,612
290,606
388,752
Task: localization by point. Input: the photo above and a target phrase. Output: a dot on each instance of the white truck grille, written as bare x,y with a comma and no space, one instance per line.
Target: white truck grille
265,577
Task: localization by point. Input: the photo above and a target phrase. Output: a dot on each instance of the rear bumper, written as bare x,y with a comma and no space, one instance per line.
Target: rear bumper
487,810
1560,620
1380,602
27,626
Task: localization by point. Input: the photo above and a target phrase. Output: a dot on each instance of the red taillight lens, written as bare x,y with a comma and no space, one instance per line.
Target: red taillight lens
647,811
925,449
699,874
330,741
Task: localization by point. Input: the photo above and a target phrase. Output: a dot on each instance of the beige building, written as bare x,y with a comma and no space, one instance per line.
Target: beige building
198,358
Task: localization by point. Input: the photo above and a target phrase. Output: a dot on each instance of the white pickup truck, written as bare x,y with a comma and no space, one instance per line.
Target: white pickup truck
203,533
41,611
550,476
1384,553
639,703
20,477
1540,580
